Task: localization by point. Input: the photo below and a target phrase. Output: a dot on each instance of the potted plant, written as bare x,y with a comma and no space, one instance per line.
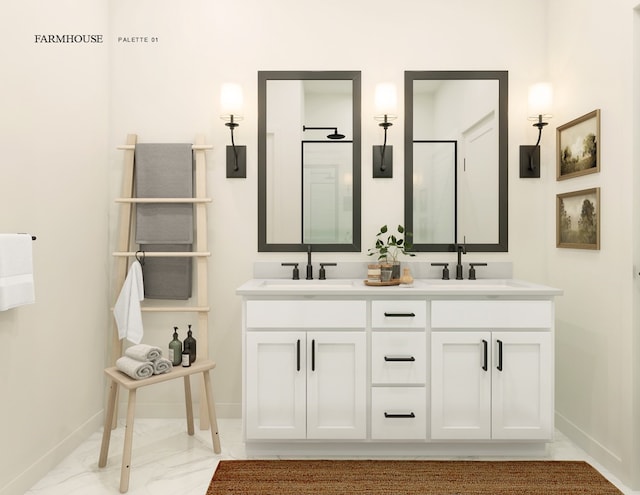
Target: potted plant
390,245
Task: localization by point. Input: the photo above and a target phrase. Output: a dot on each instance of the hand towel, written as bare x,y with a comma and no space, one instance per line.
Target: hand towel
161,365
127,308
143,352
16,271
164,170
134,368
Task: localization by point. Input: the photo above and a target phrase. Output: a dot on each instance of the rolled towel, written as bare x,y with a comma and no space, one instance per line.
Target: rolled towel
134,368
144,352
161,365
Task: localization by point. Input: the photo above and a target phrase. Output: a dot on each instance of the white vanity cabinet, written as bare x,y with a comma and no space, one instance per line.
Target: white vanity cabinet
301,383
491,370
443,367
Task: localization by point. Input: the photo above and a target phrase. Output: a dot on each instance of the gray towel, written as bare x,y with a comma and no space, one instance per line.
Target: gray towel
164,171
167,278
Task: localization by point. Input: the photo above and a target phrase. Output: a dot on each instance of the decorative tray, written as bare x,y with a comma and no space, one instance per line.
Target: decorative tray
373,283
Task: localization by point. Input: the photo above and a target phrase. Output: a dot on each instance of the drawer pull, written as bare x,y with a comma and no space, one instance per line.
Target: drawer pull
313,355
399,315
395,359
389,415
298,354
499,355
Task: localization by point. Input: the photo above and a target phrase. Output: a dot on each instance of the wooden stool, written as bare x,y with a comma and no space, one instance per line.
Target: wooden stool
117,378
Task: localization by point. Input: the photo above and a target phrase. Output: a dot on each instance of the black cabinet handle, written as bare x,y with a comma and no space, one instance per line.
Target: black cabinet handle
410,415
394,359
313,355
399,315
499,355
485,359
298,354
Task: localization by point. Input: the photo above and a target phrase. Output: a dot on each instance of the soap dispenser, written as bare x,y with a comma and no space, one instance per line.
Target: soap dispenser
175,349
190,346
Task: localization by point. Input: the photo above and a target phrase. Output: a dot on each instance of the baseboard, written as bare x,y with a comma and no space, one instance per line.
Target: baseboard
30,476
601,454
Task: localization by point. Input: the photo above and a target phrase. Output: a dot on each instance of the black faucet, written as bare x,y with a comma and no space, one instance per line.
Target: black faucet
461,249
309,266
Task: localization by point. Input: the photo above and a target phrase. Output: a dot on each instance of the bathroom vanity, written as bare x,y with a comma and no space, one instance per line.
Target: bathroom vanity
442,367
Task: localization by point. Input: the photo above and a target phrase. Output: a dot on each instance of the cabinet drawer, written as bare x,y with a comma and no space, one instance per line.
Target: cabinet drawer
306,314
398,413
399,314
399,357
491,314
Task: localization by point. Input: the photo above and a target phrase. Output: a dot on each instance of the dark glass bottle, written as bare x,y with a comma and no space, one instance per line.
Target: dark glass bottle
175,349
190,346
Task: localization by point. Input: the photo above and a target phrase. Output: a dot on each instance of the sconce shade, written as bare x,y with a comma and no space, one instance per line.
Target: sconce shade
540,100
386,100
231,100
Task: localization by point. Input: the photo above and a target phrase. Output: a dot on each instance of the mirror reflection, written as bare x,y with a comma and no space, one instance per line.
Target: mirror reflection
456,163
309,161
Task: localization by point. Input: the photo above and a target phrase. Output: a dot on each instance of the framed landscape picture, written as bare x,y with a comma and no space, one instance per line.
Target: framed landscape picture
578,146
578,219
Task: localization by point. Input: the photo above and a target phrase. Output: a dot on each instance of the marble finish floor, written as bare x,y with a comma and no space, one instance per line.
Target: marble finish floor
166,460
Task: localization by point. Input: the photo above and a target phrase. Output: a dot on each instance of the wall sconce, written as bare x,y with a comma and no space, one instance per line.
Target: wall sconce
540,101
231,105
386,103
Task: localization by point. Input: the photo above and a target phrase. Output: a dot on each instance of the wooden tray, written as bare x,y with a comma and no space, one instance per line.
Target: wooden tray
382,284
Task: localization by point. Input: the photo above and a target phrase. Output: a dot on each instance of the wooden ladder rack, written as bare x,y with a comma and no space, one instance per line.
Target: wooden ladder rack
124,251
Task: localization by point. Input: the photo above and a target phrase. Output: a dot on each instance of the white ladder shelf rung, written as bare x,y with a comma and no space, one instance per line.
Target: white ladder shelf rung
164,254
175,309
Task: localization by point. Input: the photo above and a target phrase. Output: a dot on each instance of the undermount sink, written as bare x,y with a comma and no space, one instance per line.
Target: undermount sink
480,284
288,284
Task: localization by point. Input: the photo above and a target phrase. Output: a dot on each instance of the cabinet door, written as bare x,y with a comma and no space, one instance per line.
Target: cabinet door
461,385
275,385
522,386
336,385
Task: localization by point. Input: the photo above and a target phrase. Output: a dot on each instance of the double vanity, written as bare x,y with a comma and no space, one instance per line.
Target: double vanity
440,367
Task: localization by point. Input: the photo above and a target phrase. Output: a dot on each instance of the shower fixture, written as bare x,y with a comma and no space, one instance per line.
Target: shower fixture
334,135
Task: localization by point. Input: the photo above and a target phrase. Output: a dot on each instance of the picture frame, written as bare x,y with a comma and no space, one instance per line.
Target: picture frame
578,219
578,146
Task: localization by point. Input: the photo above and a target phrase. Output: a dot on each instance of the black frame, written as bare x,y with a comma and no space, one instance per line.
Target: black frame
503,159
263,77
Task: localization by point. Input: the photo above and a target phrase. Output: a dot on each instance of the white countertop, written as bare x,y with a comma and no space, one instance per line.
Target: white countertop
420,287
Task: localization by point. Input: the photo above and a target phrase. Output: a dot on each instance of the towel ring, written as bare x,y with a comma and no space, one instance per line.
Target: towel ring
141,261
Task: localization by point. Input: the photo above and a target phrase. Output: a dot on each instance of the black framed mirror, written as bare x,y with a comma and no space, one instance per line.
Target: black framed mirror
456,160
309,141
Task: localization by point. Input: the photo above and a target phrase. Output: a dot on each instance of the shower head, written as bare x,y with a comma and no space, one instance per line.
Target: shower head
334,135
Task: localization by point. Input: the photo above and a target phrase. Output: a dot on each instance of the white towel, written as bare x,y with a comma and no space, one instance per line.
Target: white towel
161,365
134,368
127,309
16,271
144,352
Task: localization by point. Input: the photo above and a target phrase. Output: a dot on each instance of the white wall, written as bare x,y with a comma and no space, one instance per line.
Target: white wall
591,64
53,184
168,91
